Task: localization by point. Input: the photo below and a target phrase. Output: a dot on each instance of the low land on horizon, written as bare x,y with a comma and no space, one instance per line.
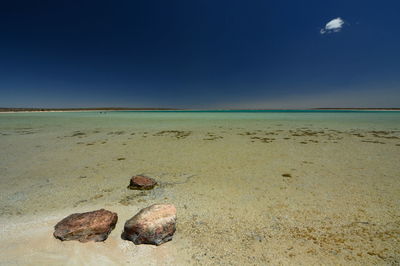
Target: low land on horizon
83,109
171,109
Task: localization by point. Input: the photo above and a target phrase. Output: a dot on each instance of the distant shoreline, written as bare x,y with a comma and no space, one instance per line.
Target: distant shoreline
361,109
39,110
31,110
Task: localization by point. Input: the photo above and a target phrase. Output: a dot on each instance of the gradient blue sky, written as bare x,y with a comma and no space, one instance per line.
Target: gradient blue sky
199,54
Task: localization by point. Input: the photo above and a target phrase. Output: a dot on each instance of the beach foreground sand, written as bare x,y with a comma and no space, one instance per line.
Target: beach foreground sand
255,190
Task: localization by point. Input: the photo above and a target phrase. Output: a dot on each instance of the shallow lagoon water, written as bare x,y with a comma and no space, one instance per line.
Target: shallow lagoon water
297,188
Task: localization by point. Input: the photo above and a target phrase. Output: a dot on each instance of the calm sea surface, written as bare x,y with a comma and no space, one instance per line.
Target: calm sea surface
342,119
250,187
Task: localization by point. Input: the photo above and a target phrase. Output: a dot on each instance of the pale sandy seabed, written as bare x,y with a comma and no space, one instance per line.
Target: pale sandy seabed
338,203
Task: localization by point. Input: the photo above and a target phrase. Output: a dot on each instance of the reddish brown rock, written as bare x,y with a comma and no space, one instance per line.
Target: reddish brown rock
141,182
152,225
87,226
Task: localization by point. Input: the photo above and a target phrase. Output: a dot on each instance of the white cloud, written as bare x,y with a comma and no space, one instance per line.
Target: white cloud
335,25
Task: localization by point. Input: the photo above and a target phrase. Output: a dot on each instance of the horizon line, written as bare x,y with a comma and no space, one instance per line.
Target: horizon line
34,109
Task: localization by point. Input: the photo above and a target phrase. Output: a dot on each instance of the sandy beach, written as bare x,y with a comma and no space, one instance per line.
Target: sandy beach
279,189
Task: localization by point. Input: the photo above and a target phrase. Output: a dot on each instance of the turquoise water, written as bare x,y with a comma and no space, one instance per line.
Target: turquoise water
385,120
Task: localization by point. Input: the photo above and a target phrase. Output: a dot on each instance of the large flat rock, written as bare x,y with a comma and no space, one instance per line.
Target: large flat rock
152,225
88,226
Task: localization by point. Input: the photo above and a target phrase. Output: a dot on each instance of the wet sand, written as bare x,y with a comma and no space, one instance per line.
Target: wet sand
256,190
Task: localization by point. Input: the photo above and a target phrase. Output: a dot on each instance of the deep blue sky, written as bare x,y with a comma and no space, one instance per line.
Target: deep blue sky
199,54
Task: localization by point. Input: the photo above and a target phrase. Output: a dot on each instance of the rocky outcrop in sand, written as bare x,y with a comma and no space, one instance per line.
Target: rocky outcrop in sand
141,182
152,225
88,226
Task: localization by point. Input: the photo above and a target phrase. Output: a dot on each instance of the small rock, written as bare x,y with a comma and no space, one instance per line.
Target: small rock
152,225
87,226
141,182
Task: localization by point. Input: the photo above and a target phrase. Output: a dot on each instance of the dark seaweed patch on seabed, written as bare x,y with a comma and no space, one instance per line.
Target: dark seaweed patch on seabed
262,139
26,132
312,133
178,134
373,141
272,133
78,134
302,133
384,134
116,133
212,136
358,135
19,131
247,133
